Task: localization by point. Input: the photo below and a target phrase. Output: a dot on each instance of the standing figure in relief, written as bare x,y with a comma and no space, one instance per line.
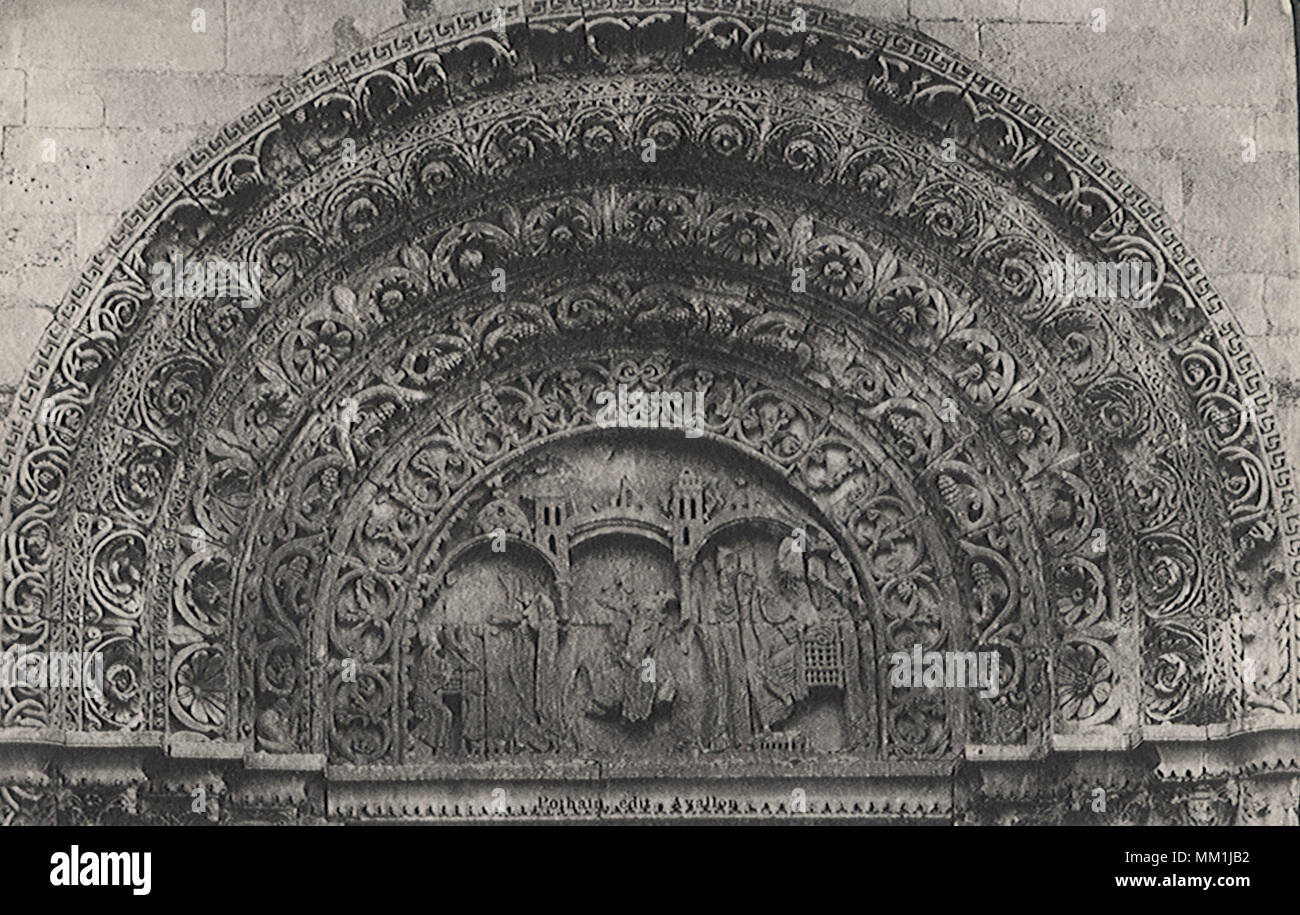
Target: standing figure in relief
722,601
778,613
756,607
510,650
681,668
434,671
539,615
461,646
646,681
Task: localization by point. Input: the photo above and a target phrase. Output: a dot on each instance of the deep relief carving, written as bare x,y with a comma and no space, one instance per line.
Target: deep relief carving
276,520
677,620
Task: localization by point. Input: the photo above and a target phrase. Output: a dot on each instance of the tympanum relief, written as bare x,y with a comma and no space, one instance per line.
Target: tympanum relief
695,609
377,518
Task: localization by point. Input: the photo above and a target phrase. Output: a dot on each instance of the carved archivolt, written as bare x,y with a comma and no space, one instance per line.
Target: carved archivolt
262,513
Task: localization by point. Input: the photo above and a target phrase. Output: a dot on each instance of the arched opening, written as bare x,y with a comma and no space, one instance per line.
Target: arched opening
235,497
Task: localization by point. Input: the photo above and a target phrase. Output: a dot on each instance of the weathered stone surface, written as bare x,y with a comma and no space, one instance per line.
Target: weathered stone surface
10,28
35,259
1202,67
961,36
1224,15
59,99
125,35
1246,292
965,10
75,181
148,100
1282,303
1161,175
529,461
1226,212
93,231
1276,131
22,330
886,10
12,95
281,36
1222,129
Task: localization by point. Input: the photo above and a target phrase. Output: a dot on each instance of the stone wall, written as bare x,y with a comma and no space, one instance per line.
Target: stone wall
1195,100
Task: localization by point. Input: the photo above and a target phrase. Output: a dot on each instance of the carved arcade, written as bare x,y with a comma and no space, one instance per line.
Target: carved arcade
372,519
